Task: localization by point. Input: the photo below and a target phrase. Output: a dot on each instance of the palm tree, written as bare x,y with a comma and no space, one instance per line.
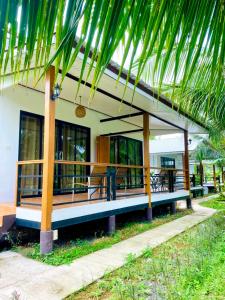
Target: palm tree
210,149
182,36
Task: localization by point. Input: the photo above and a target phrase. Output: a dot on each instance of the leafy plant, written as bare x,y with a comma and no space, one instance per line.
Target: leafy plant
190,266
67,252
183,40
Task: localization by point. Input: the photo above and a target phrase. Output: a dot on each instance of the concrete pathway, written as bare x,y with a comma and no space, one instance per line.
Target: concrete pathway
32,280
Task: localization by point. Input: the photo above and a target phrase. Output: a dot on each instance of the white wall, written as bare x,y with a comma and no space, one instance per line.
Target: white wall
17,98
155,159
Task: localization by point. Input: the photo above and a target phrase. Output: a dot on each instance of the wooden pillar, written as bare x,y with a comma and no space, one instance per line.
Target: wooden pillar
222,175
48,164
103,156
186,162
214,177
146,135
103,149
201,171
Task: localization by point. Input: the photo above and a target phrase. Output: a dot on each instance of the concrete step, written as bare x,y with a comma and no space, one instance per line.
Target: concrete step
7,217
6,223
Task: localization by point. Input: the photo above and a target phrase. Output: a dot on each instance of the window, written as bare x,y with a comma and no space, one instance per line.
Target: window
167,162
127,151
72,142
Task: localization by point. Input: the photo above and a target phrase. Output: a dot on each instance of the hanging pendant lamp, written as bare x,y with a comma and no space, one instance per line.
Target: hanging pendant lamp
80,110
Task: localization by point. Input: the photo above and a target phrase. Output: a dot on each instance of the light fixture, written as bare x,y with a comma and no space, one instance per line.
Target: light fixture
189,141
56,92
80,110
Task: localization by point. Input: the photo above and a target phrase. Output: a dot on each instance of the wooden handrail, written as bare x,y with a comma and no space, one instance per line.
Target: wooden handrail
166,169
85,163
30,162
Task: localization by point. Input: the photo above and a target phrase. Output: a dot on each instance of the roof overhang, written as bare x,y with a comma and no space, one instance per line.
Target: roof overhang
111,99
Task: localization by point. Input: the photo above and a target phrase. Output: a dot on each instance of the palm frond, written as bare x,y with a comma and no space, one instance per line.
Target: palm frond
181,36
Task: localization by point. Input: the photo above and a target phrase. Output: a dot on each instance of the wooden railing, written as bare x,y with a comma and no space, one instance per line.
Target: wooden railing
198,179
115,179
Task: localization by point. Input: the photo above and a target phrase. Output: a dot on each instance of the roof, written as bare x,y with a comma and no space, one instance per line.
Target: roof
111,101
170,145
114,67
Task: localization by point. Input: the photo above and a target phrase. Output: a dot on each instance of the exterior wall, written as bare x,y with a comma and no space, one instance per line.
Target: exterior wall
156,159
17,98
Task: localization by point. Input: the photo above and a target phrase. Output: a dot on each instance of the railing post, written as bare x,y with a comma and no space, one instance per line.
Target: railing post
201,171
147,181
108,189
222,174
193,180
214,177
186,161
18,187
112,190
46,235
170,181
113,183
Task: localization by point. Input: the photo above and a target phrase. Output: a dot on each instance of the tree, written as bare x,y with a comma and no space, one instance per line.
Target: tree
210,149
183,36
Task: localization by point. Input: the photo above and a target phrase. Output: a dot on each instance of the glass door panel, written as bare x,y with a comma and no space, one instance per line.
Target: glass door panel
81,150
128,151
122,157
72,144
67,141
30,148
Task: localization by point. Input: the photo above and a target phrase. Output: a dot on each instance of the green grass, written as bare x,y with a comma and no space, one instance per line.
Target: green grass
66,253
216,203
191,266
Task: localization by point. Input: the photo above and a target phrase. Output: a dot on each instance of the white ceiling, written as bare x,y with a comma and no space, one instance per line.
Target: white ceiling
107,106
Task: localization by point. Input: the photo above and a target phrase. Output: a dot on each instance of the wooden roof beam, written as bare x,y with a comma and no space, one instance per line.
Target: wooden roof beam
122,117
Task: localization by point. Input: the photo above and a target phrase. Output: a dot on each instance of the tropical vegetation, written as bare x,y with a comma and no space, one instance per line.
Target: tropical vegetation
190,266
179,44
212,148
66,251
211,151
215,203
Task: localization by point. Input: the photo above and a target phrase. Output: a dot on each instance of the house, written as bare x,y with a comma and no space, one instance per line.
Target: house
168,151
66,160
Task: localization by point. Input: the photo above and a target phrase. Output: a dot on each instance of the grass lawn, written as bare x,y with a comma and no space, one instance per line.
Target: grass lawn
189,267
67,252
216,203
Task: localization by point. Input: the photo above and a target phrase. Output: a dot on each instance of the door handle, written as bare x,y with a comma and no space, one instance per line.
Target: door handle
60,155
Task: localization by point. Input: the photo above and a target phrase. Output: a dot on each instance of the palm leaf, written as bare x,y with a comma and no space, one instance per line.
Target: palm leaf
168,40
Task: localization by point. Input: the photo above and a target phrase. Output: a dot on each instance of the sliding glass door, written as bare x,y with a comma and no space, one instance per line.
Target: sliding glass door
72,143
127,151
31,148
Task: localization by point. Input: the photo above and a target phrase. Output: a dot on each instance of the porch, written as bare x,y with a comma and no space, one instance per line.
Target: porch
73,170
56,191
106,190
75,213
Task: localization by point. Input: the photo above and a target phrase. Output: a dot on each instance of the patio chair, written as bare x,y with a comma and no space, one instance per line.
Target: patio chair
159,182
121,178
95,182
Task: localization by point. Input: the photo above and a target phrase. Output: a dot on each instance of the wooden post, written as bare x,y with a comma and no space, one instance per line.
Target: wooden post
222,175
186,162
48,164
103,149
214,177
201,171
146,135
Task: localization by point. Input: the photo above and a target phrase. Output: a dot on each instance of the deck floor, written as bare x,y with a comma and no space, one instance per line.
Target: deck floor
75,213
80,199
